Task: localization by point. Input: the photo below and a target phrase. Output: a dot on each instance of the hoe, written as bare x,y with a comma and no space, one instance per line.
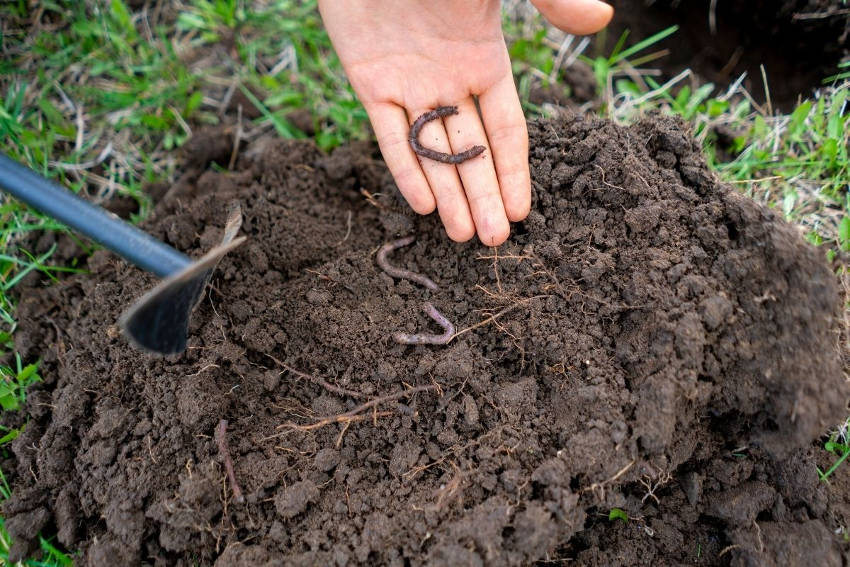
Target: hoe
159,321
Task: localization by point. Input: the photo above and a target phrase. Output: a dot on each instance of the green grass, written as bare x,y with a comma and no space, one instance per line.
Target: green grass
99,97
14,382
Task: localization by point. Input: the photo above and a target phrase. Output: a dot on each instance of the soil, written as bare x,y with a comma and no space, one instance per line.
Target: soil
800,42
648,340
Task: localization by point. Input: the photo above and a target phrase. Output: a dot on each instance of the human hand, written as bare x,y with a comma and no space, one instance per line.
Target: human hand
406,57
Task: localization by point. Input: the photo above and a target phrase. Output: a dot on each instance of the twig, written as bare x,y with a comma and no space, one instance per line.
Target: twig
316,380
221,440
413,138
492,318
323,383
819,15
356,413
600,486
728,548
427,338
399,272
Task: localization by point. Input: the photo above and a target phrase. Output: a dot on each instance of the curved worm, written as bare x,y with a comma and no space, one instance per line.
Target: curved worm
399,272
427,338
439,112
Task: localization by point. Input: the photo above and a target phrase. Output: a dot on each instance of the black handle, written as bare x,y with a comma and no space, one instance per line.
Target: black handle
121,237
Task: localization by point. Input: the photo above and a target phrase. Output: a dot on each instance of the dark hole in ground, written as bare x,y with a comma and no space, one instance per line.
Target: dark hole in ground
800,42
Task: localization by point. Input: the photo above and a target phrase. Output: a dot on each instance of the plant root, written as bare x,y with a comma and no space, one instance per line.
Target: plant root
316,380
495,316
426,338
413,138
358,413
399,272
221,440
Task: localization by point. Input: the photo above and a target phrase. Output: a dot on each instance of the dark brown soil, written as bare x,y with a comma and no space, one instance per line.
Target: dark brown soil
800,42
648,340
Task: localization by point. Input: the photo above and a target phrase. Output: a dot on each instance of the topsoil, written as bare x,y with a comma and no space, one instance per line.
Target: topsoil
647,341
799,42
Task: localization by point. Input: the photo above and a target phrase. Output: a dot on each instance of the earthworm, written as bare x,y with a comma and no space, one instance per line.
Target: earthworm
439,112
221,439
426,338
398,272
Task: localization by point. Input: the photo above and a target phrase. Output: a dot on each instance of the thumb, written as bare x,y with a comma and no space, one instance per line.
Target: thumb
580,17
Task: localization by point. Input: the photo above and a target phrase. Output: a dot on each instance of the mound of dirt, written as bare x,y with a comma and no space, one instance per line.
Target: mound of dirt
647,341
799,42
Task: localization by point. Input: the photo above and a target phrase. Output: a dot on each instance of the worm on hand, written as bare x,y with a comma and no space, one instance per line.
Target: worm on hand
439,112
425,338
398,272
221,440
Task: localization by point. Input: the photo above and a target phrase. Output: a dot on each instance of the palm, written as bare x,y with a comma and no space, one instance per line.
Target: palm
405,57
430,62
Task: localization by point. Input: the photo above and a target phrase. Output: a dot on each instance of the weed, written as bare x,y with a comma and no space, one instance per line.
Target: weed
618,514
14,383
838,446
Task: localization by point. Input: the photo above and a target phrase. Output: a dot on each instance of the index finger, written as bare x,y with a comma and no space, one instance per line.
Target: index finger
391,129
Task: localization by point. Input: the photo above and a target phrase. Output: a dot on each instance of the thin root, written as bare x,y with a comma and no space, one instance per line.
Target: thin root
399,272
221,440
357,414
495,316
317,380
427,338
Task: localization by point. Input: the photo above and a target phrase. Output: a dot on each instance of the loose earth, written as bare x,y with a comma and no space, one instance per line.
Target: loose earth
640,376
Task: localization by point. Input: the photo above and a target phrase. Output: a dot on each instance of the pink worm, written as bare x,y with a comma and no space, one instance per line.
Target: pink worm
426,338
399,272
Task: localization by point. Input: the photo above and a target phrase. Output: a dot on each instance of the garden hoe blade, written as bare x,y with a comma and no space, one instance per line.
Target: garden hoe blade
159,321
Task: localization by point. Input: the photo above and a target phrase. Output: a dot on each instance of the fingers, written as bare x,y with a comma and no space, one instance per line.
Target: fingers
391,129
508,136
580,17
468,197
478,175
444,180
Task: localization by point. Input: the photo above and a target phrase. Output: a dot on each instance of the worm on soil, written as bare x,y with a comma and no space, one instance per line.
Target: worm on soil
439,112
398,272
221,440
426,338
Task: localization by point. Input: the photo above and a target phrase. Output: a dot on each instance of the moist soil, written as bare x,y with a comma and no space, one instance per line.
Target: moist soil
648,342
799,42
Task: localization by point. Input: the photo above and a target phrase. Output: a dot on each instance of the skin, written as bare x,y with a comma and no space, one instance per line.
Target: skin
406,57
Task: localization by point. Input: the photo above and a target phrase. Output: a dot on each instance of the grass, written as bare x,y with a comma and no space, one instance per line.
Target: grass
98,97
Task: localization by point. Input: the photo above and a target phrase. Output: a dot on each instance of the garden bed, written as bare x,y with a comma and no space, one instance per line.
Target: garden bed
638,376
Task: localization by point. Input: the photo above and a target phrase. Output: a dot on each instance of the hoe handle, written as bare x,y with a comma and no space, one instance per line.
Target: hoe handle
121,237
